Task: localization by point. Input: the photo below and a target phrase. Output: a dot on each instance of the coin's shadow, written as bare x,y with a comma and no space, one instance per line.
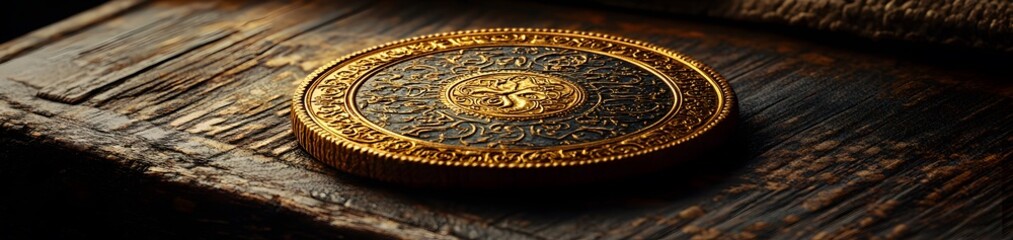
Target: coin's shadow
678,182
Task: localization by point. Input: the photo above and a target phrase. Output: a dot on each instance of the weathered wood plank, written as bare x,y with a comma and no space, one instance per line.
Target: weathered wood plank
981,24
833,142
73,24
96,133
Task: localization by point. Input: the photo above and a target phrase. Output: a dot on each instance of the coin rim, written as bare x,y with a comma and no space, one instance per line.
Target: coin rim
303,122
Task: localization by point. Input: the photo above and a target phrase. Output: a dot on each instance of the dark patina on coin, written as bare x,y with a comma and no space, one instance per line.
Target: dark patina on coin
510,107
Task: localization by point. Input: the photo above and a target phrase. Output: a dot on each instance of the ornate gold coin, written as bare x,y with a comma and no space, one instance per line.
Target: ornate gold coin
510,107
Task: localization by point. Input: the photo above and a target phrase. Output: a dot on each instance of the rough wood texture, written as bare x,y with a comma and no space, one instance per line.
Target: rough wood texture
982,24
191,98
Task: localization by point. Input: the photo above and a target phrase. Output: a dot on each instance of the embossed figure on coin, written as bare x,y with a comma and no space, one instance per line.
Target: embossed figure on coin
513,94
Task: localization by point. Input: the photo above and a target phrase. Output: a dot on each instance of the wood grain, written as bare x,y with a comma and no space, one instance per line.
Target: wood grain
835,140
983,24
56,31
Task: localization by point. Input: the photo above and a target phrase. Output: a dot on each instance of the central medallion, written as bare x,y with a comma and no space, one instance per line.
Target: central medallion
512,95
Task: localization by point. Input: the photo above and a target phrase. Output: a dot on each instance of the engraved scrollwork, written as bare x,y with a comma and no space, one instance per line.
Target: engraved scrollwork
509,97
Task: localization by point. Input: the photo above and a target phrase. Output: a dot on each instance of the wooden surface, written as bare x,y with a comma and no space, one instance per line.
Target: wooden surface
982,24
179,110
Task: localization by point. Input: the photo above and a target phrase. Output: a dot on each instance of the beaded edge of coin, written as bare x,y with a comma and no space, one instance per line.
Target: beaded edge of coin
363,159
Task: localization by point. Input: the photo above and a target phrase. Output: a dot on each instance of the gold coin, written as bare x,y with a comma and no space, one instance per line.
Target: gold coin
511,107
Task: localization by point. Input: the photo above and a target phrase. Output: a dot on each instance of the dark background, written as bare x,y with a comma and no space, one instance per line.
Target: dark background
18,18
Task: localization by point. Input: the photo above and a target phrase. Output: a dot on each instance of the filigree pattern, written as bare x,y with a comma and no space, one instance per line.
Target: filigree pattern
330,106
509,97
